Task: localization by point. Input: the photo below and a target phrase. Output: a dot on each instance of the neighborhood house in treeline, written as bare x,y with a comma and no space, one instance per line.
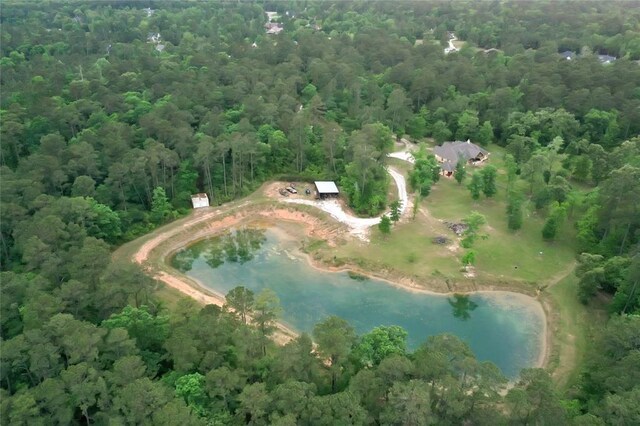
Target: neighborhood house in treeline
450,153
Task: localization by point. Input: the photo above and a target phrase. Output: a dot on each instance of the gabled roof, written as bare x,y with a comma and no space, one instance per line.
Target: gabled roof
452,152
326,187
568,55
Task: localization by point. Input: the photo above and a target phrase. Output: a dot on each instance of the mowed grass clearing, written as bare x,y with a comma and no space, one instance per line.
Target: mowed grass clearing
503,257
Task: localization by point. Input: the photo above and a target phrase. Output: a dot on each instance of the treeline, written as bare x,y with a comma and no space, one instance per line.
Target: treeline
212,366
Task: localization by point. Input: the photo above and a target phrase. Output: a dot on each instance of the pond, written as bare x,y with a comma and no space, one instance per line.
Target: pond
502,327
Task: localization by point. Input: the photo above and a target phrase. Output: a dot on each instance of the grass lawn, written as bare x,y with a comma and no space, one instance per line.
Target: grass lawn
503,257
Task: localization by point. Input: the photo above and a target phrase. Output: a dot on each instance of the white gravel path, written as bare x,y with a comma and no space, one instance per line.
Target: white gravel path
359,226
403,155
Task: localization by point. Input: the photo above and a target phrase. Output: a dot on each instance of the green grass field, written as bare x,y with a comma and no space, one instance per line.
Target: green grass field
503,257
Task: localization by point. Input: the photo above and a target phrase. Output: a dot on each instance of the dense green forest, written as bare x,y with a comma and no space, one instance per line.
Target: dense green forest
113,114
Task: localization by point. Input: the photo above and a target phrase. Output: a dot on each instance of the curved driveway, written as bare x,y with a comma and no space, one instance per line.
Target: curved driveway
360,226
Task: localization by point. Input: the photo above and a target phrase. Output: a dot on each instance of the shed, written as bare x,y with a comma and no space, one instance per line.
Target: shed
200,200
326,189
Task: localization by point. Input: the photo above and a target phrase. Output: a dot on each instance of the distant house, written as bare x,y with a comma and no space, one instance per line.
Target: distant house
450,153
568,55
200,200
326,189
606,59
273,28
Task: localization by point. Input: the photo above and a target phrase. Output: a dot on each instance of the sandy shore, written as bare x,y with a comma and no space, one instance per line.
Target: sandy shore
152,254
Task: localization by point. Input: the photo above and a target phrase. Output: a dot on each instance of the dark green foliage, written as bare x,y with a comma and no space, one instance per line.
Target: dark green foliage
385,225
426,171
241,301
514,211
475,186
394,215
105,136
554,221
488,174
460,172
610,383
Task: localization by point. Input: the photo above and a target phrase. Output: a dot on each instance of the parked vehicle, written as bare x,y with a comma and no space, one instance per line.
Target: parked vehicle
291,189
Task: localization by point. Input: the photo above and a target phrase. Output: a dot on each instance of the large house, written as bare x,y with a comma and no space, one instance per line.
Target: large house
450,153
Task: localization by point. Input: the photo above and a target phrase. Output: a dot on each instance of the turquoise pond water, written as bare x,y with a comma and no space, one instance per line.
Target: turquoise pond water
505,328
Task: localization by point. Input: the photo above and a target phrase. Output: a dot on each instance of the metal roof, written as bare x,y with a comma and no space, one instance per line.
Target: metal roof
326,187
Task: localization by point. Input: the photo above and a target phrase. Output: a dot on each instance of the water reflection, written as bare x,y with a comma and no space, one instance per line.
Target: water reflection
505,328
236,246
462,306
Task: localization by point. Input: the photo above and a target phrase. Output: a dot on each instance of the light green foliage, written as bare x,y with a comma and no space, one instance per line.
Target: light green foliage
474,221
191,388
309,92
426,171
469,258
555,219
161,210
379,343
148,330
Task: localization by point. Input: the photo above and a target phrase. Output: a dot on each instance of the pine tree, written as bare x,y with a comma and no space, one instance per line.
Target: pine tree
385,225
395,211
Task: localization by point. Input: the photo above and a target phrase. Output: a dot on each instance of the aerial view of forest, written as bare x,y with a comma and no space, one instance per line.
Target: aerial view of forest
310,212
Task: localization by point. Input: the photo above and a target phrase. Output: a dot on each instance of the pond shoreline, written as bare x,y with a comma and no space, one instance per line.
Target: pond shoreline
153,254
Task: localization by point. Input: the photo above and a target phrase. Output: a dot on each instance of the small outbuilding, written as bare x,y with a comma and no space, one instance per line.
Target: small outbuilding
326,189
200,200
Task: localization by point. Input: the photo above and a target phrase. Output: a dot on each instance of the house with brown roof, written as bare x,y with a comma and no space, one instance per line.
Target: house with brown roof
450,153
